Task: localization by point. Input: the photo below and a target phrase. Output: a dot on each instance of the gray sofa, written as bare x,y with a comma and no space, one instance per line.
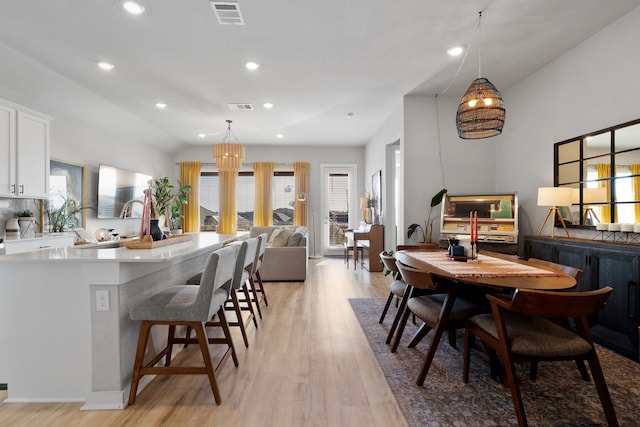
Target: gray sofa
286,256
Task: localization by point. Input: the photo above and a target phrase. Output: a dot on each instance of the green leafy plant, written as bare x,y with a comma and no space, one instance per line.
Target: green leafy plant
180,199
427,230
26,213
64,215
169,203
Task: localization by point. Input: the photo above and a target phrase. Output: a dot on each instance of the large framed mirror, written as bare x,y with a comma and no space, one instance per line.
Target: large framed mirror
603,168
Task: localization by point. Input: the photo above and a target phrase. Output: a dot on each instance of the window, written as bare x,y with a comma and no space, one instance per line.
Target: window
283,190
284,197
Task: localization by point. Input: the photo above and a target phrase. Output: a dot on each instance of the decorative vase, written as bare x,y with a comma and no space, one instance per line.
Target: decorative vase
25,223
12,225
155,230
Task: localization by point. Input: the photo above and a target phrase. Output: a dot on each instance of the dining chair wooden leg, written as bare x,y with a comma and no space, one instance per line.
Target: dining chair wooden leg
240,322
203,341
386,307
254,291
261,288
447,305
603,391
419,335
145,327
466,360
170,337
399,314
514,388
402,322
245,290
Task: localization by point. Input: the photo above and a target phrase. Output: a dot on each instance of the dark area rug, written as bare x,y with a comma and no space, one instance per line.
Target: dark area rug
557,398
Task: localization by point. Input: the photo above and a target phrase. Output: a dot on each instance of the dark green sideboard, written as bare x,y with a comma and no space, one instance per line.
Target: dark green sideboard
603,263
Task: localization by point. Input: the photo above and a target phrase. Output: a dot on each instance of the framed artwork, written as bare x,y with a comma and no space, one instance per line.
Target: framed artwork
67,181
376,195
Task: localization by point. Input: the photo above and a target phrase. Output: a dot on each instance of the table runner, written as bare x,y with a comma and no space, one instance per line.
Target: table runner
486,266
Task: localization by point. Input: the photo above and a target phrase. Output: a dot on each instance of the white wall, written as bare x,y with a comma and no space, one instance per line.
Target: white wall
376,157
434,157
591,87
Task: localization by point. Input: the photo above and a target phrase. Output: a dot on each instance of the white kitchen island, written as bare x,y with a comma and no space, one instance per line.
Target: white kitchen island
56,345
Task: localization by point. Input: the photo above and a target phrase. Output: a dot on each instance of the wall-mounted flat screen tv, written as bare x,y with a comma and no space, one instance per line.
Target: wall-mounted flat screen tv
121,192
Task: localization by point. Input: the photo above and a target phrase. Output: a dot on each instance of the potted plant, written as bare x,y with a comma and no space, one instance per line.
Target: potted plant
169,203
427,230
63,216
25,221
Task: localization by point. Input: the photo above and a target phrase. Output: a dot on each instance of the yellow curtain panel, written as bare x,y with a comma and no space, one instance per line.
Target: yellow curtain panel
228,222
190,175
263,208
604,171
635,172
301,174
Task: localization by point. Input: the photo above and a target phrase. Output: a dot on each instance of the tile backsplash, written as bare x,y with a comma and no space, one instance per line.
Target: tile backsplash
9,207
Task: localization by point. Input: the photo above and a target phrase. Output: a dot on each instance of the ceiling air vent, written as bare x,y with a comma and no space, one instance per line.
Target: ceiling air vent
228,13
241,107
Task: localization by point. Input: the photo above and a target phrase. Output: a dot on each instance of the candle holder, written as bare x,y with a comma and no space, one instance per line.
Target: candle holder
473,255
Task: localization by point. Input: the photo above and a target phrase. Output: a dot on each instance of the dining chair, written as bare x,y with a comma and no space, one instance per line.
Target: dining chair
518,329
191,306
442,309
576,273
397,285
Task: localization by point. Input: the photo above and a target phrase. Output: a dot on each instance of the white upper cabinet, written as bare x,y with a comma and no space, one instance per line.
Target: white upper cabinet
7,151
24,150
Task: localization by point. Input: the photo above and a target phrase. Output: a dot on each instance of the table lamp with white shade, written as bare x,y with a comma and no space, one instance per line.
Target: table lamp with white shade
554,197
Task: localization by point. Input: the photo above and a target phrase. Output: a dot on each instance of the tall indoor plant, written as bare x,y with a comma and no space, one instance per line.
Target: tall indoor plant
169,202
427,230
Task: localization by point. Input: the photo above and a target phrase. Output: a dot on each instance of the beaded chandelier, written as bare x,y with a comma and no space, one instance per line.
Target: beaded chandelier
229,156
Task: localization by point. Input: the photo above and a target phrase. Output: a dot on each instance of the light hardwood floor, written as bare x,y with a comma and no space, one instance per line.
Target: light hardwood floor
308,364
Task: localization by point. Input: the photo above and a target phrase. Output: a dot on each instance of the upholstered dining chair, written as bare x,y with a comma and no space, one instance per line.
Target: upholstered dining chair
576,273
518,330
191,306
397,289
430,309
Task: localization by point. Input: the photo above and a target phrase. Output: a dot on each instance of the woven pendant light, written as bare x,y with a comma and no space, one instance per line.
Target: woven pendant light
481,111
229,156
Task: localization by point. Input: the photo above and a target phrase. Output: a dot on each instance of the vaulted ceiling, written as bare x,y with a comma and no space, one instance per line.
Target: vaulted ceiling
319,60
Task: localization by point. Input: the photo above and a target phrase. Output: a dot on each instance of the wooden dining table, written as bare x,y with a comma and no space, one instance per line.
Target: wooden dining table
489,272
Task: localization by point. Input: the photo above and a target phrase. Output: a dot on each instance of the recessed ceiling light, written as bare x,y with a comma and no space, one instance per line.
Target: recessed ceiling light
267,105
201,135
105,65
279,136
161,105
251,65
133,7
455,51
349,115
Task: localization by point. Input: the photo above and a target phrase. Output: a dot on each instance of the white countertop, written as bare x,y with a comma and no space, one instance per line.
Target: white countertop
15,237
122,254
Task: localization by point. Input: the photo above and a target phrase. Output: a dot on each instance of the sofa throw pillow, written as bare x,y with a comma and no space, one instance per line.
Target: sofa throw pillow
281,239
273,235
294,239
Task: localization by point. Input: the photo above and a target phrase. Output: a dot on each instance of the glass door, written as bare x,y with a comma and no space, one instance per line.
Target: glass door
339,208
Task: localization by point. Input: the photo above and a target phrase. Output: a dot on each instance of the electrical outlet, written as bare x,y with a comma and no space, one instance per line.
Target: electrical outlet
102,300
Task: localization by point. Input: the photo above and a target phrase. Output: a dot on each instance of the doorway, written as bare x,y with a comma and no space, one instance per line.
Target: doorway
339,206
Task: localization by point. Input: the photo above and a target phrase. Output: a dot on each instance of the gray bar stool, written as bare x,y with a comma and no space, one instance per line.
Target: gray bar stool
191,306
